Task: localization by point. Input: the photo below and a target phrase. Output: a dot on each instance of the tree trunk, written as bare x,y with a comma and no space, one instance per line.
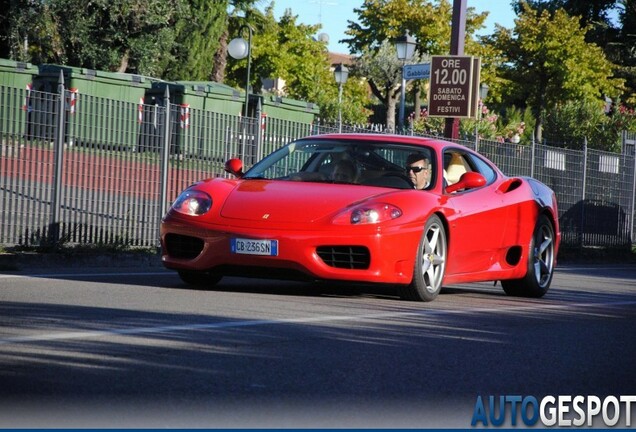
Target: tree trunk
391,103
538,110
220,58
538,133
123,64
417,90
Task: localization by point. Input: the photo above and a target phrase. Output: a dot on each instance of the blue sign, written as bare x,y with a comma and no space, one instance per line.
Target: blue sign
417,71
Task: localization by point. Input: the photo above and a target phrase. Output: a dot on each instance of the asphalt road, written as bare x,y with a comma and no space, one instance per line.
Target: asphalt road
92,347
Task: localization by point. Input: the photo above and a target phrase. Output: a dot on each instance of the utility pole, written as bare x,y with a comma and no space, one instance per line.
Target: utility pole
458,36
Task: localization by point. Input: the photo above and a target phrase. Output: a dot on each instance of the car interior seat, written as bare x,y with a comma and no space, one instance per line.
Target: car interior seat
455,169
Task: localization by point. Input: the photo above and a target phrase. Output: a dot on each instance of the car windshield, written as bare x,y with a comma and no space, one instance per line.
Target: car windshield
347,162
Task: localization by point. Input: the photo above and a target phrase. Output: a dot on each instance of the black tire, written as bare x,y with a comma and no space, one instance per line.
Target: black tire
430,264
541,260
200,279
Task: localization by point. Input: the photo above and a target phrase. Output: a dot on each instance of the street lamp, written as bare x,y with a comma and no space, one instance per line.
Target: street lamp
405,46
239,48
340,73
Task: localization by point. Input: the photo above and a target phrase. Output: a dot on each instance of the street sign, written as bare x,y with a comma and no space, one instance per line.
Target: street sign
450,91
417,71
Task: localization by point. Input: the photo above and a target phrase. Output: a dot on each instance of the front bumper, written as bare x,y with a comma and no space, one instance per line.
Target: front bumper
391,251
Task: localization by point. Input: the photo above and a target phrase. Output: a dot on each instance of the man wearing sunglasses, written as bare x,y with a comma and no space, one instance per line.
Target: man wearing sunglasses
418,169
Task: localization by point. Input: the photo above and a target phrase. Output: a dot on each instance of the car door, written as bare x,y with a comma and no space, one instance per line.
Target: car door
478,223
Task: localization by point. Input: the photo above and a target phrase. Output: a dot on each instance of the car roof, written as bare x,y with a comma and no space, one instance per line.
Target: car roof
436,143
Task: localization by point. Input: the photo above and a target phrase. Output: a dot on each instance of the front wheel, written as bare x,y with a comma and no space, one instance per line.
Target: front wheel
430,264
541,259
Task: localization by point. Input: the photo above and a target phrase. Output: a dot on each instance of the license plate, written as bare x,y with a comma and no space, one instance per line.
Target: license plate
254,247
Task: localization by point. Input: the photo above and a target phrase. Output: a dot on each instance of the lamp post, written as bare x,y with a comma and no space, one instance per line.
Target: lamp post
340,73
405,47
239,48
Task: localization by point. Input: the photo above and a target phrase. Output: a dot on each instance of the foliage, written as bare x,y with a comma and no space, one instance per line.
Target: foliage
623,52
285,49
575,122
383,72
547,61
428,21
593,13
112,35
425,124
624,119
614,36
379,23
488,125
241,13
197,40
516,124
355,99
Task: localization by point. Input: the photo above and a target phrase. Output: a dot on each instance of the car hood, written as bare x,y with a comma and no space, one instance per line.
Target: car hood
288,201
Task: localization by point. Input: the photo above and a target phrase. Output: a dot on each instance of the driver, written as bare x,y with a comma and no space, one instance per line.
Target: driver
344,172
418,169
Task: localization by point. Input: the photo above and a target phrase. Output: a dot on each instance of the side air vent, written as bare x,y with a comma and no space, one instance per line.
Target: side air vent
513,255
348,257
510,185
183,247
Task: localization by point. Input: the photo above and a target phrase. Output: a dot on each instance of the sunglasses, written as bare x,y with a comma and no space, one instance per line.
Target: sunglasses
415,169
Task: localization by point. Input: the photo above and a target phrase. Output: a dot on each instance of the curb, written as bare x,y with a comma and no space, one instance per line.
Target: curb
20,261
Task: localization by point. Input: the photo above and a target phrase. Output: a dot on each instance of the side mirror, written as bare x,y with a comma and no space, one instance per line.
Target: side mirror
234,166
468,180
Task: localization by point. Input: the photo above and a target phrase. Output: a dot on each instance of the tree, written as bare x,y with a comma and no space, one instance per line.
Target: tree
624,53
594,14
197,40
28,32
287,50
382,21
384,74
113,35
614,36
233,21
546,60
15,17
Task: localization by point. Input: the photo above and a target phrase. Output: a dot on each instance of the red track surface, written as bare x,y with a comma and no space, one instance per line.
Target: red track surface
106,173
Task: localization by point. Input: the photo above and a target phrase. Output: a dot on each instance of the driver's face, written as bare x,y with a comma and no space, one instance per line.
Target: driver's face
420,173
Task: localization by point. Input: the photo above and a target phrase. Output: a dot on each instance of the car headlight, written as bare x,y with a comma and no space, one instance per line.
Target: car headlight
192,203
368,214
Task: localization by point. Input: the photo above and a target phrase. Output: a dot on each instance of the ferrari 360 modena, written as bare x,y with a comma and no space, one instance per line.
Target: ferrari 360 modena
351,207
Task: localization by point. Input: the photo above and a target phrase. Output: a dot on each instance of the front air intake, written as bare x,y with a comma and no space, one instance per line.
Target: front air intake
347,257
183,247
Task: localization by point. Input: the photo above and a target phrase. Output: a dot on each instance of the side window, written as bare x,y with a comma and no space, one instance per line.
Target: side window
485,169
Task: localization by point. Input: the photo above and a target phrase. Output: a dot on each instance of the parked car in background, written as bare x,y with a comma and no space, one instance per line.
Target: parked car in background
295,214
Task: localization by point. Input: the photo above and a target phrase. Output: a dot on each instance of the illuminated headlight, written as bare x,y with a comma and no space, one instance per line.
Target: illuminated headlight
369,214
193,203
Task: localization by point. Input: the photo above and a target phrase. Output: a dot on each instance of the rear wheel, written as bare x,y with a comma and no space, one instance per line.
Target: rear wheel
430,264
541,258
199,279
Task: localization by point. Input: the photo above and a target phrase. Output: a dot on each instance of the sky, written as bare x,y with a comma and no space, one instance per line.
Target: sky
334,14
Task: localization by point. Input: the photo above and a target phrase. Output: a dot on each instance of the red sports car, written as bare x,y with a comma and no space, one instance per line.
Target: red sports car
414,212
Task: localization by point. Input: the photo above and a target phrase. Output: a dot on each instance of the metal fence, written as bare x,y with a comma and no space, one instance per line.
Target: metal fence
64,180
